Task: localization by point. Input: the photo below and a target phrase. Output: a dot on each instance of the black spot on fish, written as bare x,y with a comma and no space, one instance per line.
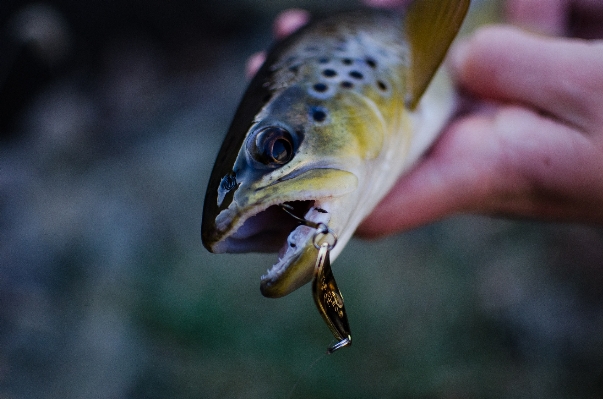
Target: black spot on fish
320,87
323,60
371,62
292,244
382,86
294,68
329,73
318,114
347,61
321,210
347,85
356,75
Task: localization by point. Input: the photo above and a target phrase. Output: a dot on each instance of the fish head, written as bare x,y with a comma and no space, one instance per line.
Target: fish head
304,148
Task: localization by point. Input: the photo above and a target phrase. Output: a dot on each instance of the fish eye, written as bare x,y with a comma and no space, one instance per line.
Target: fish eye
272,146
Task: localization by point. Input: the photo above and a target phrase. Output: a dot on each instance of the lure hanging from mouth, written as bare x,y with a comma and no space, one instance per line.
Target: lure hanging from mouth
329,300
326,294
336,114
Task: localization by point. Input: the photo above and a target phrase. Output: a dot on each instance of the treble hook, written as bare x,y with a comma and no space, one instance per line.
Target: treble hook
322,230
326,294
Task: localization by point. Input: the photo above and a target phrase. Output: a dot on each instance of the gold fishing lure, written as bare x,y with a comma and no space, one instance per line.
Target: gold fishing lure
326,294
329,301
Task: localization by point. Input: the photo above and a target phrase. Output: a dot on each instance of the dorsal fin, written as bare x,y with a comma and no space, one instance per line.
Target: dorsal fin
431,25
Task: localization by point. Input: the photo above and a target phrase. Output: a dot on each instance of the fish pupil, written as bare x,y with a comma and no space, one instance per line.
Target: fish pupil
281,151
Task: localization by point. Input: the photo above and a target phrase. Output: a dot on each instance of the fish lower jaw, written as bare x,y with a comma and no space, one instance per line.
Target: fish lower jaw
299,238
292,267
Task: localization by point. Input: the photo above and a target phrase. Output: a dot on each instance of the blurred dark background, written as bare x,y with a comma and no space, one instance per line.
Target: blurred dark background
111,114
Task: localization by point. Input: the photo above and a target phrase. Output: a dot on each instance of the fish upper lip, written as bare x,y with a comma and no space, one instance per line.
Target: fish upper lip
298,171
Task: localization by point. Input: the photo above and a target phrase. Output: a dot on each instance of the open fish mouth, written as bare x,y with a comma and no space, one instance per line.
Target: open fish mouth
299,242
255,222
274,230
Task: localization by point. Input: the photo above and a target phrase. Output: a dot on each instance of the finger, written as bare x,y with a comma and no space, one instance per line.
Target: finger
548,16
544,169
509,162
446,181
561,77
289,21
254,63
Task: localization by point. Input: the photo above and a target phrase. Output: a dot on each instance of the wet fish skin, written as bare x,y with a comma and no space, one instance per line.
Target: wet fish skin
334,116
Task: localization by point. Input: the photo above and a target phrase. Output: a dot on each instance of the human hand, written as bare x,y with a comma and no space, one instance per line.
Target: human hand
534,147
535,151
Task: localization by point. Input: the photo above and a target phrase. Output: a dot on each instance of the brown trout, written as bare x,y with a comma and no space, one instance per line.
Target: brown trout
338,111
